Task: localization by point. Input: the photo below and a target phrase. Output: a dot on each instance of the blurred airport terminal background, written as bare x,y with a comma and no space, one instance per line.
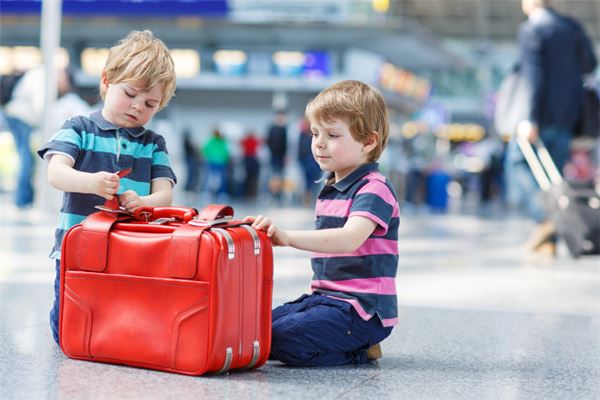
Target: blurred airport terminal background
438,62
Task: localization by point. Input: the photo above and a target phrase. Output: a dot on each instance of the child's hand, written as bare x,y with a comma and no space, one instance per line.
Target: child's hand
130,200
105,184
278,236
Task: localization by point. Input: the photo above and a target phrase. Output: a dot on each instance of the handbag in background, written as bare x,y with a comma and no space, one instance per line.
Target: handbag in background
512,103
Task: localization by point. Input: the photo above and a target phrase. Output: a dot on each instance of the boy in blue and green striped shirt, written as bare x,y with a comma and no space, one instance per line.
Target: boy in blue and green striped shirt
86,153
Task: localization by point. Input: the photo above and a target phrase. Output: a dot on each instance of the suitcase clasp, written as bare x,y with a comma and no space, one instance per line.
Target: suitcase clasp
162,221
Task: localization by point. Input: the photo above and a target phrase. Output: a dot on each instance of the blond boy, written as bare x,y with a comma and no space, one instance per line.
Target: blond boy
353,303
85,155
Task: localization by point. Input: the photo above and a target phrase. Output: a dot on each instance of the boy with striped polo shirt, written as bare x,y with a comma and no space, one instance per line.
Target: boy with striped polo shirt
85,155
353,303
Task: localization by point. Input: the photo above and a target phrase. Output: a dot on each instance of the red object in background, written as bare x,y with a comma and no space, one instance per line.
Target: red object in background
250,144
580,168
167,291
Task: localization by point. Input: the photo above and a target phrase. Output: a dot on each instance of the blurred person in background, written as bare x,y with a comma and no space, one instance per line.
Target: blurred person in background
555,54
23,114
310,168
278,145
192,162
250,146
68,103
216,154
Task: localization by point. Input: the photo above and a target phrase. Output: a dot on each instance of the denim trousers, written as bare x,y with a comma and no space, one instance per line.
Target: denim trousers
316,330
54,312
21,132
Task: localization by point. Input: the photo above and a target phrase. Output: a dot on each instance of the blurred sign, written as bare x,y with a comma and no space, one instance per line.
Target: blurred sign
206,8
461,132
317,64
310,64
286,10
404,82
230,62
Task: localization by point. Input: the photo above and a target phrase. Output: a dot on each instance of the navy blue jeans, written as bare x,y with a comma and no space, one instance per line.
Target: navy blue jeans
316,330
55,306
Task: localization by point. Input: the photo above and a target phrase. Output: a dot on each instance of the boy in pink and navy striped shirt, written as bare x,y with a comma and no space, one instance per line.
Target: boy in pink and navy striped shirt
353,304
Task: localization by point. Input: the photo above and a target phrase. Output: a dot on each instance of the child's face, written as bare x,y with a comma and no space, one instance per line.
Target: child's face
335,149
127,106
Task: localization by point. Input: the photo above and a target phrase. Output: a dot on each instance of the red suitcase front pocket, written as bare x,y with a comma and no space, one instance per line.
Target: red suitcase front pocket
147,322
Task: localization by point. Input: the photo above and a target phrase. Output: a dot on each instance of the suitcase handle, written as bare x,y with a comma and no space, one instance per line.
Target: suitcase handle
213,212
540,162
148,214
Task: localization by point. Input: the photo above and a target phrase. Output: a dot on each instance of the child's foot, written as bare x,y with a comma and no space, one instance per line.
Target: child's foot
374,352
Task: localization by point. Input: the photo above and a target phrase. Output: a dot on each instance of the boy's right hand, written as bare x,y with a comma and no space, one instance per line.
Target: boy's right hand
105,184
278,236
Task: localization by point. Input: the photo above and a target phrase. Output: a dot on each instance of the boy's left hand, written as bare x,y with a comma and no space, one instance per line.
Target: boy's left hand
130,200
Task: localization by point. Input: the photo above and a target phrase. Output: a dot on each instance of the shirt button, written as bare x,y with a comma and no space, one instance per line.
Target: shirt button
124,146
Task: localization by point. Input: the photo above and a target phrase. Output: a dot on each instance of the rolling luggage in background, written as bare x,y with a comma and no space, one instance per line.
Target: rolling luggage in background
167,289
575,212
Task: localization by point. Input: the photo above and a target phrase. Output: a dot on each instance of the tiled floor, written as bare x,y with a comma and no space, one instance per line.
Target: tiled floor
478,320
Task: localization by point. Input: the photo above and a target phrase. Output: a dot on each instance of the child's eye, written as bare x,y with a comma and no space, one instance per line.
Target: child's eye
150,105
131,95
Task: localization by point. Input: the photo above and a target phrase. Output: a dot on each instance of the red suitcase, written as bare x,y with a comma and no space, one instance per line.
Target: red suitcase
167,289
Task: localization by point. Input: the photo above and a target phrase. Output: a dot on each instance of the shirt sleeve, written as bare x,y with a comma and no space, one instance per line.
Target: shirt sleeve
375,201
161,163
68,140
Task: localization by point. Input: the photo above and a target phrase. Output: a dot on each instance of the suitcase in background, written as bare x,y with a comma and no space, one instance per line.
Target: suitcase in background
575,212
167,289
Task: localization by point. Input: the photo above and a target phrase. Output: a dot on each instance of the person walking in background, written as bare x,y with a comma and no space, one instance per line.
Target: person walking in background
192,162
310,168
353,305
216,154
277,144
85,155
555,54
23,114
250,145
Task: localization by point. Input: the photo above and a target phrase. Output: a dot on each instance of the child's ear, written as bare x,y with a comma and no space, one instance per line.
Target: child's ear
371,142
104,81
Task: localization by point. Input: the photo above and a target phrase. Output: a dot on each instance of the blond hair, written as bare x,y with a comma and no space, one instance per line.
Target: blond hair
360,105
141,57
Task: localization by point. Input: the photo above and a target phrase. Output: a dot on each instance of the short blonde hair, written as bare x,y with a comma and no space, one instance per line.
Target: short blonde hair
360,105
141,57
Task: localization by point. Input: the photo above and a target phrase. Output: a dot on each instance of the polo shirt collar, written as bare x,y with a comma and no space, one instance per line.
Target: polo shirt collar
105,125
357,174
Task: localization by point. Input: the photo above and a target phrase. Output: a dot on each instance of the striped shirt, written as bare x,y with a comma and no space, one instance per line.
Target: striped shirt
96,145
366,277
